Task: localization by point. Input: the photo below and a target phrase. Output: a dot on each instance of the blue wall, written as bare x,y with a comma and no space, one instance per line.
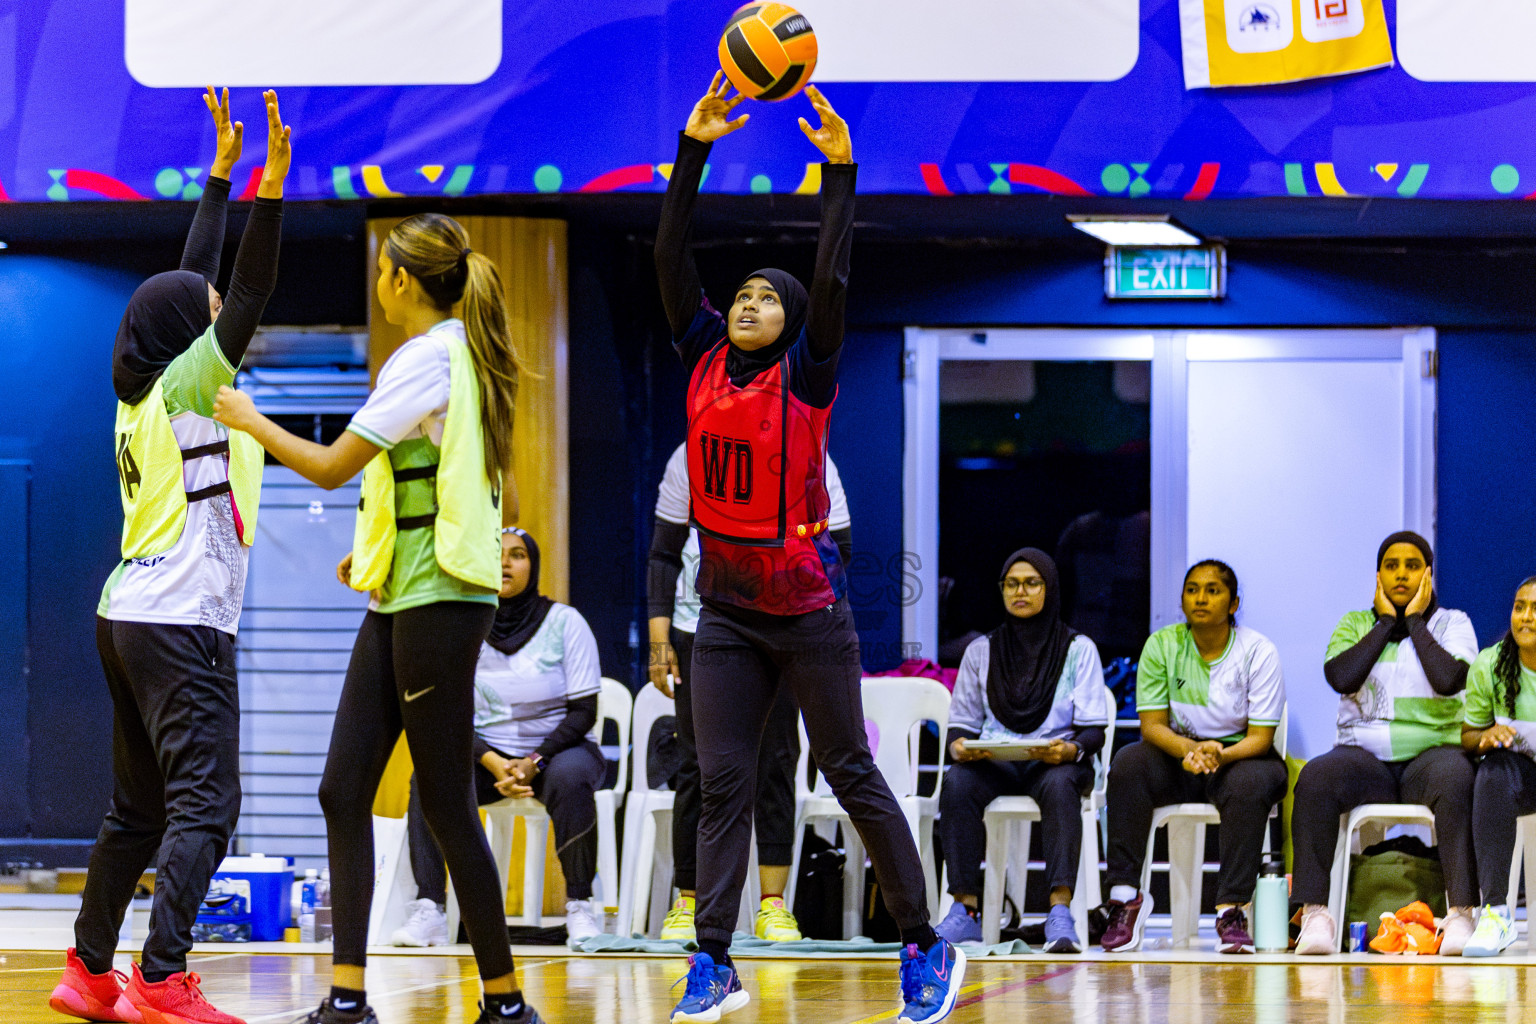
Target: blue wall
58,319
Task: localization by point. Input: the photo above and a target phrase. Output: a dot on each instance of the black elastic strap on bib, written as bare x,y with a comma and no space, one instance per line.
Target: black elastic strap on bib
205,493
416,473
216,448
415,522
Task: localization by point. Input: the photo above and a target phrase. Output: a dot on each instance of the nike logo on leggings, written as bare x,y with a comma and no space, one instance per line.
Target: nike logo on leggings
409,696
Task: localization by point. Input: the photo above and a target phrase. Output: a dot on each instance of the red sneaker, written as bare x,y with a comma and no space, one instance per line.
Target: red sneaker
176,1000
92,996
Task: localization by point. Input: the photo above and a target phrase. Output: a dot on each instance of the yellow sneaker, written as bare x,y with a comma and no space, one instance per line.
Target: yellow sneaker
775,923
677,926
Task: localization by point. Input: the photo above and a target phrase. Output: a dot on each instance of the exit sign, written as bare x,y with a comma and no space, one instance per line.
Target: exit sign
1186,272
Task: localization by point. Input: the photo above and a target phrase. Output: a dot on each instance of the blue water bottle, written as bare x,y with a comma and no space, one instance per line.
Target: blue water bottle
1271,907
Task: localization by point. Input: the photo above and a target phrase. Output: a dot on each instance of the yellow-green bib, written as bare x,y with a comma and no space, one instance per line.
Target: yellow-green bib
149,474
467,524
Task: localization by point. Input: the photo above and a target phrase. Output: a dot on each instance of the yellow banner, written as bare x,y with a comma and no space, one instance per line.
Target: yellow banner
1266,42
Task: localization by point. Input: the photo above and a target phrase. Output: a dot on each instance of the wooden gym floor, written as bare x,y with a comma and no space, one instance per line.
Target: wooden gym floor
276,988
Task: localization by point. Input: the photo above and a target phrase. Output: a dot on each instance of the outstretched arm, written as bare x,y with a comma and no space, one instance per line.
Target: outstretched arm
675,270
329,466
829,285
255,273
205,241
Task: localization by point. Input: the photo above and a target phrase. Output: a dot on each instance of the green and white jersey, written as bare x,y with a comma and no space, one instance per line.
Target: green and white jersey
1486,704
200,581
520,698
1396,714
405,415
1216,700
1080,695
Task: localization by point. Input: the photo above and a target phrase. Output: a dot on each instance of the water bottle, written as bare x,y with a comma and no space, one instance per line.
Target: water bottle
1271,907
323,930
307,905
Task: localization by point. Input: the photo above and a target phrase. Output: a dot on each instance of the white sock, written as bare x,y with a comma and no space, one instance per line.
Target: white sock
1122,893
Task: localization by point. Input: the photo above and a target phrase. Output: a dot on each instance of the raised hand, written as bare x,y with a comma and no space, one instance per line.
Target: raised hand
279,151
229,137
832,137
711,116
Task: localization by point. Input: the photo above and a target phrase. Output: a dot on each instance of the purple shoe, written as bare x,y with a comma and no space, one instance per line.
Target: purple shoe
1232,932
1126,923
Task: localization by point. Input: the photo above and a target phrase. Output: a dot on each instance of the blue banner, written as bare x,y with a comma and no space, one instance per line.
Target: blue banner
98,100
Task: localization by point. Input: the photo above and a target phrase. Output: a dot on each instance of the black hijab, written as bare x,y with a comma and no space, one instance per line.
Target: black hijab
519,617
165,316
741,364
1027,655
1400,623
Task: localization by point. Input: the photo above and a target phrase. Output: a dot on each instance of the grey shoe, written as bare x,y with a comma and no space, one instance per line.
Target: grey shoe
958,926
1061,932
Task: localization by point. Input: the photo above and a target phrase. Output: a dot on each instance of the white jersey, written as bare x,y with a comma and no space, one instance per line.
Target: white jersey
521,698
1080,695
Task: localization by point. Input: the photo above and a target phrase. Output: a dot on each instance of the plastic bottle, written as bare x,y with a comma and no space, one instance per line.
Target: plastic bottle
323,907
307,905
1271,906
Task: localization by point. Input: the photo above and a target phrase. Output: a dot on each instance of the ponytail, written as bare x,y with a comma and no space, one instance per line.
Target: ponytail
435,250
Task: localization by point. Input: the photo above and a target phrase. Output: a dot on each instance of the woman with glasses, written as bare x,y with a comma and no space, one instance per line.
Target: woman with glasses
1209,694
1032,678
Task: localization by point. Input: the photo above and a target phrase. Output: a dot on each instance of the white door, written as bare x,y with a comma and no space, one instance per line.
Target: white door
1287,454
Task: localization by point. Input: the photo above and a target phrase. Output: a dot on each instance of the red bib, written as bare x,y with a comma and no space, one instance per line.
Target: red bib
756,456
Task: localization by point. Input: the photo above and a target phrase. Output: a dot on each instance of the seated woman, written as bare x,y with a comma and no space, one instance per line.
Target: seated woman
1501,725
1209,694
536,688
1030,678
1399,739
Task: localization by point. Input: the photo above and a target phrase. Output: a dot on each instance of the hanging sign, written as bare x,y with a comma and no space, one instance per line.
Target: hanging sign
1185,272
1266,42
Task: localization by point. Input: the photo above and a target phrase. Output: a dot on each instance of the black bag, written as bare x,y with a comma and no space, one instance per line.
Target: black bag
663,755
819,889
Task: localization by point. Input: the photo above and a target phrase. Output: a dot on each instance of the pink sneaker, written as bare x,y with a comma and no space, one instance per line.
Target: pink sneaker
97,997
1126,923
176,1000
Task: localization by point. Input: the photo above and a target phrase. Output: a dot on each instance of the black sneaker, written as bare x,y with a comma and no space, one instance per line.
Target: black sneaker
528,1016
328,1014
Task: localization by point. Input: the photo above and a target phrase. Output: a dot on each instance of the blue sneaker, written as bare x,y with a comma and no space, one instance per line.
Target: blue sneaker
930,982
712,990
958,926
1060,932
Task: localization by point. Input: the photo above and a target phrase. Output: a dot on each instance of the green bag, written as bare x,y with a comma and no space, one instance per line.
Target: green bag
1386,882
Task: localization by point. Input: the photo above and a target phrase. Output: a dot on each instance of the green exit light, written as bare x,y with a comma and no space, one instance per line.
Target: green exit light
1183,272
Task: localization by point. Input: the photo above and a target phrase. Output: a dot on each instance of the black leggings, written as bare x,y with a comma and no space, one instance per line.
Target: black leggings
1346,777
1505,789
415,670
970,787
776,759
566,787
740,660
1143,778
176,785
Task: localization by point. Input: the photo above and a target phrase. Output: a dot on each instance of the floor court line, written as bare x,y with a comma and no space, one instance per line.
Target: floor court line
982,990
287,1015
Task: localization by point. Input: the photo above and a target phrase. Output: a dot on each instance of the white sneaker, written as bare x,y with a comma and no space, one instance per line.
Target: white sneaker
1495,933
582,921
1319,935
1455,931
428,926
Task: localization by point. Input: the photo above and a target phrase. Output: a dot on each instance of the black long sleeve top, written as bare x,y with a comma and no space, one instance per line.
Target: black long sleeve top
1347,671
813,359
252,280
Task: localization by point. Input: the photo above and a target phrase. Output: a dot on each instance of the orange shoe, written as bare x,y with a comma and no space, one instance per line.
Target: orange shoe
176,1000
90,996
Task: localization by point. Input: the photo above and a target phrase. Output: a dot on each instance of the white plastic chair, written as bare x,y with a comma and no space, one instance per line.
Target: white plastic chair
647,824
1186,850
1525,851
1009,821
393,878
897,706
1353,827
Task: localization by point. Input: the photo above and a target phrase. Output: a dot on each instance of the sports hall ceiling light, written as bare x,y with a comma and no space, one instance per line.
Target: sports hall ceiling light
1133,229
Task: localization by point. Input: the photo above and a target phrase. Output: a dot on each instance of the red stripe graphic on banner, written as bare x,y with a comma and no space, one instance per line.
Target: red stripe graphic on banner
934,180
91,181
252,182
638,174
1205,182
1046,179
